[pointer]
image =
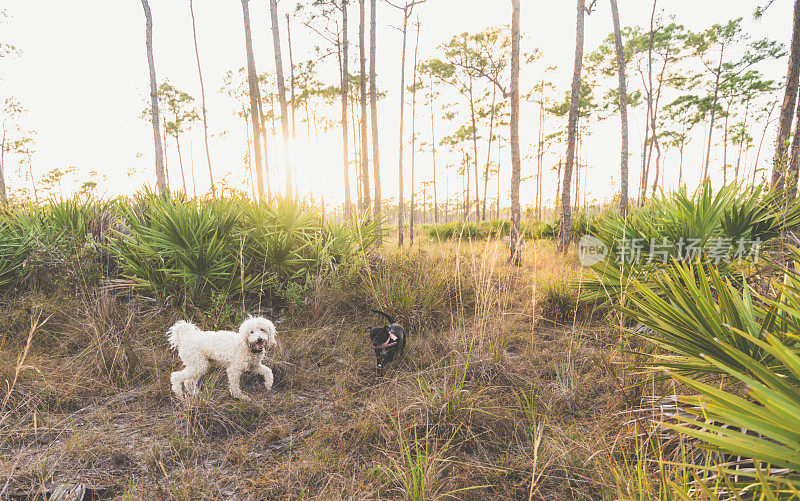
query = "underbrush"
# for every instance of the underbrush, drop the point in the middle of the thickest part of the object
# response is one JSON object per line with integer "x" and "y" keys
{"x": 582, "y": 223}
{"x": 486, "y": 401}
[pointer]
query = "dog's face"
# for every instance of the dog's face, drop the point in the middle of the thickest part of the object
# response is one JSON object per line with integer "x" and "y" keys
{"x": 387, "y": 341}
{"x": 258, "y": 333}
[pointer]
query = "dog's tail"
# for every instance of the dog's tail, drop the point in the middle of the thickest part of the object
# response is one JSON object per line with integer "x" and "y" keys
{"x": 176, "y": 333}
{"x": 388, "y": 317}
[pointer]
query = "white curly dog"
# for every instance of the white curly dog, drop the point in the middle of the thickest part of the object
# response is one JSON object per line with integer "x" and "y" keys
{"x": 235, "y": 351}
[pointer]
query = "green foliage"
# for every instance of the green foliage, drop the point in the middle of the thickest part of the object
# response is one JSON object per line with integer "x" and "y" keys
{"x": 582, "y": 223}
{"x": 710, "y": 326}
{"x": 415, "y": 286}
{"x": 731, "y": 222}
{"x": 556, "y": 300}
{"x": 14, "y": 248}
{"x": 200, "y": 249}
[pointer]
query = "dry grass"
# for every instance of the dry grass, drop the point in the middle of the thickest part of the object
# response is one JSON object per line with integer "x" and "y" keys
{"x": 505, "y": 391}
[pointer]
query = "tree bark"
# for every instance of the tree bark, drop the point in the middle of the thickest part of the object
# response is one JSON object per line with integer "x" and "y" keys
{"x": 789, "y": 103}
{"x": 365, "y": 209}
{"x": 344, "y": 76}
{"x": 401, "y": 200}
{"x": 488, "y": 154}
{"x": 276, "y": 44}
{"x": 203, "y": 101}
{"x": 565, "y": 231}
{"x": 266, "y": 148}
{"x": 623, "y": 109}
{"x": 413, "y": 139}
{"x": 515, "y": 251}
{"x": 761, "y": 142}
{"x": 291, "y": 70}
{"x": 161, "y": 182}
{"x": 255, "y": 96}
{"x": 790, "y": 180}
{"x": 474, "y": 152}
{"x": 433, "y": 154}
{"x": 373, "y": 101}
{"x": 713, "y": 113}
{"x": 180, "y": 162}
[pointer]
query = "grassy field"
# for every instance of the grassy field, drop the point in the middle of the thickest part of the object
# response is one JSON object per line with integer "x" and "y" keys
{"x": 517, "y": 382}
{"x": 506, "y": 389}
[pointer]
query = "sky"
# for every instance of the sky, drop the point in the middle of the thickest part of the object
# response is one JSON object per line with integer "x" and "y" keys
{"x": 82, "y": 76}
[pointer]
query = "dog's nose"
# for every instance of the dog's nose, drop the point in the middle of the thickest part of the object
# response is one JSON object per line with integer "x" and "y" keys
{"x": 259, "y": 340}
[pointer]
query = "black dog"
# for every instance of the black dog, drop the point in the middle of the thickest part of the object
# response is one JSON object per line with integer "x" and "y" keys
{"x": 388, "y": 341}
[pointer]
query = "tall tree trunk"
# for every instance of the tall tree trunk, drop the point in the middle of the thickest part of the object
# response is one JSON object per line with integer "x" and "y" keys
{"x": 161, "y": 181}
{"x": 725, "y": 147}
{"x": 781, "y": 159}
{"x": 356, "y": 151}
{"x": 401, "y": 201}
{"x": 647, "y": 149}
{"x": 373, "y": 101}
{"x": 255, "y": 96}
{"x": 344, "y": 76}
{"x": 515, "y": 251}
{"x": 741, "y": 143}
{"x": 623, "y": 110}
{"x": 497, "y": 209}
{"x": 565, "y": 232}
{"x": 713, "y": 113}
{"x": 248, "y": 153}
{"x": 266, "y": 149}
{"x": 488, "y": 153}
{"x": 540, "y": 153}
{"x": 191, "y": 159}
{"x": 33, "y": 180}
{"x": 433, "y": 155}
{"x": 203, "y": 101}
{"x": 790, "y": 181}
{"x": 474, "y": 150}
{"x": 291, "y": 70}
{"x": 362, "y": 52}
{"x": 180, "y": 162}
{"x": 556, "y": 201}
{"x": 761, "y": 142}
{"x": 276, "y": 44}
{"x": 413, "y": 139}
{"x": 166, "y": 148}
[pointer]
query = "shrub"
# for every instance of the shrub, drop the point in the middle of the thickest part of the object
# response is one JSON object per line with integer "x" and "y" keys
{"x": 198, "y": 250}
{"x": 748, "y": 345}
{"x": 582, "y": 223}
{"x": 556, "y": 300}
{"x": 730, "y": 222}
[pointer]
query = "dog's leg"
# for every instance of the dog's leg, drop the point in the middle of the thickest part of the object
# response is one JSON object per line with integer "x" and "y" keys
{"x": 177, "y": 378}
{"x": 234, "y": 374}
{"x": 188, "y": 376}
{"x": 267, "y": 373}
{"x": 191, "y": 387}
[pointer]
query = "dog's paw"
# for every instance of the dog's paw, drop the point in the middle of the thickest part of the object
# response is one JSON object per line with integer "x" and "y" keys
{"x": 268, "y": 381}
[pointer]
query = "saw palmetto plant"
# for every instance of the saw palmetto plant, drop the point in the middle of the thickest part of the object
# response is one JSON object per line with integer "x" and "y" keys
{"x": 731, "y": 228}
{"x": 197, "y": 249}
{"x": 737, "y": 355}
